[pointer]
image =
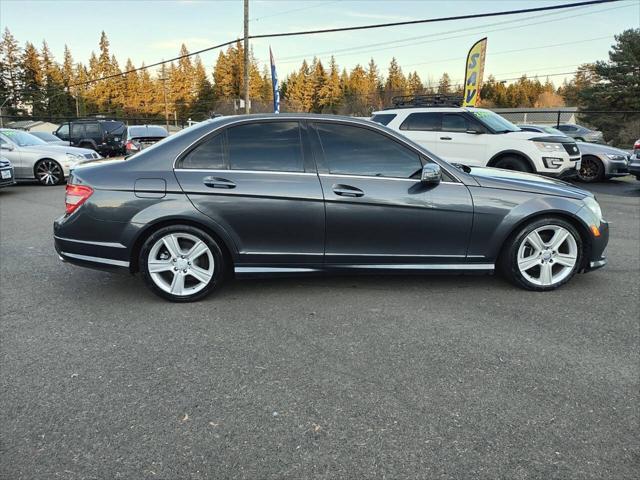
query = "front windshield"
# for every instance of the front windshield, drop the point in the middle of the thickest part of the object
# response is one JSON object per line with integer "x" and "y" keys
{"x": 45, "y": 136}
{"x": 553, "y": 131}
{"x": 22, "y": 139}
{"x": 494, "y": 121}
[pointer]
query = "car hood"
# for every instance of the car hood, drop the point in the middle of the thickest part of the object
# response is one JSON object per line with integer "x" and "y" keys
{"x": 525, "y": 182}
{"x": 586, "y": 147}
{"x": 59, "y": 149}
{"x": 527, "y": 135}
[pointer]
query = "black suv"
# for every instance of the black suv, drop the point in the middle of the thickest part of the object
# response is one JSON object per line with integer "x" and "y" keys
{"x": 104, "y": 136}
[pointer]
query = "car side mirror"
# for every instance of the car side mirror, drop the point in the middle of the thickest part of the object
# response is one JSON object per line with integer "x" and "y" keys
{"x": 6, "y": 146}
{"x": 431, "y": 174}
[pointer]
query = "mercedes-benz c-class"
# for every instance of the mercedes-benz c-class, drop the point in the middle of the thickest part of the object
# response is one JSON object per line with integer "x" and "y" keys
{"x": 297, "y": 194}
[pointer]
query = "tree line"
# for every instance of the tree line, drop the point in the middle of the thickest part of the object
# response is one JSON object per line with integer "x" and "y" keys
{"x": 33, "y": 82}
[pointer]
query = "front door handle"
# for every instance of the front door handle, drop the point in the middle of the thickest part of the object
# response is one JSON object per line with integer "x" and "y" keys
{"x": 347, "y": 191}
{"x": 445, "y": 138}
{"x": 217, "y": 182}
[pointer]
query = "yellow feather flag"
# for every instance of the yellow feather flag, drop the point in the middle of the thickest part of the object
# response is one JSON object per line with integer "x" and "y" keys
{"x": 474, "y": 72}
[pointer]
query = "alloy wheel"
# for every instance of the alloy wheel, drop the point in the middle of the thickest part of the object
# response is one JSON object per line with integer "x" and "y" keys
{"x": 181, "y": 264}
{"x": 547, "y": 255}
{"x": 589, "y": 170}
{"x": 49, "y": 172}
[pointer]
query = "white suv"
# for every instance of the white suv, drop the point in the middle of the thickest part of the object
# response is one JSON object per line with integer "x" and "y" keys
{"x": 479, "y": 137}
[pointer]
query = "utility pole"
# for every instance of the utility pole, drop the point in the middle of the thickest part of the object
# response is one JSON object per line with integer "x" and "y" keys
{"x": 246, "y": 56}
{"x": 166, "y": 107}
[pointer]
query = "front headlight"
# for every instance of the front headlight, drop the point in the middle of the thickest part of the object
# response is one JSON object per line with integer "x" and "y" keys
{"x": 616, "y": 156}
{"x": 549, "y": 147}
{"x": 72, "y": 157}
{"x": 594, "y": 206}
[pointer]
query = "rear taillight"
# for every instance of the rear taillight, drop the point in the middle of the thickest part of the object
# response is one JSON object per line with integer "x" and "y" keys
{"x": 636, "y": 146}
{"x": 131, "y": 146}
{"x": 75, "y": 196}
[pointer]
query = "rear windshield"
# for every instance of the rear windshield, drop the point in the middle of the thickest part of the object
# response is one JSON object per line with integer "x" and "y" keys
{"x": 113, "y": 127}
{"x": 147, "y": 131}
{"x": 383, "y": 118}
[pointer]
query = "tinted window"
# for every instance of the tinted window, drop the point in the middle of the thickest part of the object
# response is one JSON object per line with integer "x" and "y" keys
{"x": 358, "y": 151}
{"x": 147, "y": 131}
{"x": 383, "y": 118}
{"x": 426, "y": 121}
{"x": 452, "y": 122}
{"x": 567, "y": 128}
{"x": 207, "y": 155}
{"x": 92, "y": 130}
{"x": 63, "y": 131}
{"x": 77, "y": 130}
{"x": 271, "y": 146}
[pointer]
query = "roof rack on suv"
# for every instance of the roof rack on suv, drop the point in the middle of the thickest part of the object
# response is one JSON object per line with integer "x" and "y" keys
{"x": 433, "y": 100}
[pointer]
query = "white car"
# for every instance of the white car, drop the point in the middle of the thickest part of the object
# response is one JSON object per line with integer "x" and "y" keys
{"x": 479, "y": 137}
{"x": 33, "y": 158}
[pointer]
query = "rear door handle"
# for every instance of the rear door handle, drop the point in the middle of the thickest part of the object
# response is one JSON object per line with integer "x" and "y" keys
{"x": 216, "y": 182}
{"x": 445, "y": 138}
{"x": 347, "y": 191}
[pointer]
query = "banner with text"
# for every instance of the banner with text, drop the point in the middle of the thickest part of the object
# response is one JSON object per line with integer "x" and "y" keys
{"x": 474, "y": 72}
{"x": 274, "y": 82}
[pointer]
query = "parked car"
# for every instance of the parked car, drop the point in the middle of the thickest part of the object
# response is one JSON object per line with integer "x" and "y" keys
{"x": 139, "y": 137}
{"x": 580, "y": 133}
{"x": 634, "y": 163}
{"x": 50, "y": 138}
{"x": 104, "y": 136}
{"x": 7, "y": 176}
{"x": 599, "y": 162}
{"x": 479, "y": 137}
{"x": 33, "y": 158}
{"x": 295, "y": 193}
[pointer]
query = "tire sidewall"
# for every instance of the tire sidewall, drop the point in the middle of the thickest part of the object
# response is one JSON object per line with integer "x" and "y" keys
{"x": 509, "y": 260}
{"x": 599, "y": 175}
{"x": 218, "y": 257}
{"x": 513, "y": 163}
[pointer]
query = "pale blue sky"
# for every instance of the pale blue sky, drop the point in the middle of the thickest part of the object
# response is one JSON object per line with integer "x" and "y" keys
{"x": 151, "y": 30}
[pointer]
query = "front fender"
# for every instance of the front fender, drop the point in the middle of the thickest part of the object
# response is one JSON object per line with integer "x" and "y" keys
{"x": 498, "y": 213}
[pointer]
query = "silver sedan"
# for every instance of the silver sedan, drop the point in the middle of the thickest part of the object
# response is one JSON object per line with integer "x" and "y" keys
{"x": 33, "y": 158}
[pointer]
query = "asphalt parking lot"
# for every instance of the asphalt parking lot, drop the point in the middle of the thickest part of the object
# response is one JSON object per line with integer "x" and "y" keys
{"x": 447, "y": 377}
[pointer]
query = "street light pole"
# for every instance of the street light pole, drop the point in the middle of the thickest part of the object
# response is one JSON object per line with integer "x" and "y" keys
{"x": 246, "y": 56}
{"x": 166, "y": 107}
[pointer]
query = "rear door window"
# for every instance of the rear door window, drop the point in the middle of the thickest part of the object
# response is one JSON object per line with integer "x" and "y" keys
{"x": 209, "y": 155}
{"x": 77, "y": 130}
{"x": 350, "y": 150}
{"x": 270, "y": 146}
{"x": 92, "y": 130}
{"x": 423, "y": 121}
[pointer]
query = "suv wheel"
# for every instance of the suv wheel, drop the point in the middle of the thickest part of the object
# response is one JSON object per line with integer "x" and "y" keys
{"x": 543, "y": 255}
{"x": 181, "y": 263}
{"x": 591, "y": 170}
{"x": 87, "y": 145}
{"x": 49, "y": 172}
{"x": 513, "y": 163}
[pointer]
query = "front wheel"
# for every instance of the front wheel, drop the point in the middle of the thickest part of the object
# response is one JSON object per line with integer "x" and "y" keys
{"x": 591, "y": 170}
{"x": 542, "y": 255}
{"x": 49, "y": 172}
{"x": 181, "y": 263}
{"x": 513, "y": 163}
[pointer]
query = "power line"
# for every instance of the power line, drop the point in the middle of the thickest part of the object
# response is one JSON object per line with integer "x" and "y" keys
{"x": 291, "y": 11}
{"x": 356, "y": 28}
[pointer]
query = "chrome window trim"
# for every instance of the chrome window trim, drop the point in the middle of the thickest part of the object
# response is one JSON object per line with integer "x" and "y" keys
{"x": 366, "y": 177}
{"x": 312, "y": 118}
{"x": 224, "y": 170}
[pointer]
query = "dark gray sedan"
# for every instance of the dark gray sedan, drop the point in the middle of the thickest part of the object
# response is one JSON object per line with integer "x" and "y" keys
{"x": 297, "y": 194}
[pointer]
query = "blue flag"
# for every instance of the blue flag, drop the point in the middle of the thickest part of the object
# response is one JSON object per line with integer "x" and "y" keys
{"x": 274, "y": 82}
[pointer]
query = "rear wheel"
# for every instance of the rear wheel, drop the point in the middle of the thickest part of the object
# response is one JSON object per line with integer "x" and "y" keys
{"x": 513, "y": 163}
{"x": 181, "y": 263}
{"x": 591, "y": 170}
{"x": 543, "y": 255}
{"x": 49, "y": 172}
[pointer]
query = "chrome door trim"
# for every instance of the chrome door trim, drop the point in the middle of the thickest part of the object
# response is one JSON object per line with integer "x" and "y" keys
{"x": 88, "y": 258}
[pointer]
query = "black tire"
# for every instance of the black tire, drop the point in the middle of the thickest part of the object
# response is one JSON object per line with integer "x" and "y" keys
{"x": 219, "y": 268}
{"x": 511, "y": 162}
{"x": 87, "y": 145}
{"x": 591, "y": 170}
{"x": 48, "y": 172}
{"x": 508, "y": 261}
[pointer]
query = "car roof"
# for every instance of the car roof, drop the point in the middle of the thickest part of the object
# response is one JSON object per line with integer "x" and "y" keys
{"x": 444, "y": 109}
